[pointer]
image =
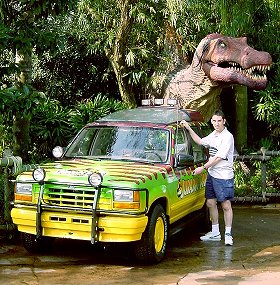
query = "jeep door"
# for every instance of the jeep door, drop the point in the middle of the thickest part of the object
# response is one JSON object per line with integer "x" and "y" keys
{"x": 190, "y": 188}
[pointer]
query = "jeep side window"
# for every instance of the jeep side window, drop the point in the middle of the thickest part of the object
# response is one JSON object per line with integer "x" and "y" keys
{"x": 182, "y": 143}
{"x": 199, "y": 152}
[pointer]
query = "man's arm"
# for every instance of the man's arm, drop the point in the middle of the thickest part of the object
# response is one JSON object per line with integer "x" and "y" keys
{"x": 194, "y": 136}
{"x": 211, "y": 162}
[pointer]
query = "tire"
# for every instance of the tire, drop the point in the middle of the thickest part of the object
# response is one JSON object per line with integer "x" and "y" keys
{"x": 34, "y": 245}
{"x": 152, "y": 246}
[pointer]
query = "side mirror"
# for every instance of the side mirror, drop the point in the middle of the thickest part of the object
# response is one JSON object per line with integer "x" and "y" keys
{"x": 58, "y": 152}
{"x": 184, "y": 160}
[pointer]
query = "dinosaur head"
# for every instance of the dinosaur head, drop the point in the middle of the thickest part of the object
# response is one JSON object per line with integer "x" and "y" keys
{"x": 230, "y": 60}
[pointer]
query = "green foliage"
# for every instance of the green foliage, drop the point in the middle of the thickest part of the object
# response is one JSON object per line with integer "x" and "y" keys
{"x": 73, "y": 74}
{"x": 267, "y": 108}
{"x": 274, "y": 173}
{"x": 249, "y": 184}
{"x": 52, "y": 124}
{"x": 21, "y": 22}
{"x": 19, "y": 100}
{"x": 14, "y": 102}
{"x": 6, "y": 136}
{"x": 91, "y": 110}
{"x": 133, "y": 40}
{"x": 30, "y": 11}
{"x": 158, "y": 36}
{"x": 49, "y": 127}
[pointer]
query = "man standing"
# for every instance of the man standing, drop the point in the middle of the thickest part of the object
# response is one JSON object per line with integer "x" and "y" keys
{"x": 220, "y": 178}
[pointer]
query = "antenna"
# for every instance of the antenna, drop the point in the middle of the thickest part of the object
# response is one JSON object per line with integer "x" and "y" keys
{"x": 177, "y": 127}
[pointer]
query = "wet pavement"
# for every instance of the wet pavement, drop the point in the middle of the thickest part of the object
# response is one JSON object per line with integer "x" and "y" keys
{"x": 253, "y": 259}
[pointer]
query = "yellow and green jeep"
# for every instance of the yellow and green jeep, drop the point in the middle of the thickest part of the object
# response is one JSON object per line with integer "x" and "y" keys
{"x": 124, "y": 178}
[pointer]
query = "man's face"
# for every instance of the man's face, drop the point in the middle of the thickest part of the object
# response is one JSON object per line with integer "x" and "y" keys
{"x": 218, "y": 123}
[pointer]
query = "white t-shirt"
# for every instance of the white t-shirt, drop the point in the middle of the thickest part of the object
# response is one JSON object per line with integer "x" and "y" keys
{"x": 220, "y": 145}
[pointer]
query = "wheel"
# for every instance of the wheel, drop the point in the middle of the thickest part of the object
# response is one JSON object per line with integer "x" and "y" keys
{"x": 152, "y": 246}
{"x": 34, "y": 245}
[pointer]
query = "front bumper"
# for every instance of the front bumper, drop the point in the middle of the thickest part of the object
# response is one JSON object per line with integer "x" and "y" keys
{"x": 110, "y": 228}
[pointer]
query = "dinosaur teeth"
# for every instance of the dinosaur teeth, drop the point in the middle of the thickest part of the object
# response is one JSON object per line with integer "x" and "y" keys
{"x": 256, "y": 72}
{"x": 256, "y": 77}
{"x": 233, "y": 63}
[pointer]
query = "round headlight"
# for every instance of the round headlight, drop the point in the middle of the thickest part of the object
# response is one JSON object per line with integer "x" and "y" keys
{"x": 39, "y": 174}
{"x": 57, "y": 152}
{"x": 95, "y": 179}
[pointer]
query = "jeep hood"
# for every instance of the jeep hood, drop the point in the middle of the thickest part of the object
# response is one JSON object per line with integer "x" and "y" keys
{"x": 114, "y": 173}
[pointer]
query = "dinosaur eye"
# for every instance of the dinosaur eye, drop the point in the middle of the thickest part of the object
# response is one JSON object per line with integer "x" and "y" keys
{"x": 222, "y": 44}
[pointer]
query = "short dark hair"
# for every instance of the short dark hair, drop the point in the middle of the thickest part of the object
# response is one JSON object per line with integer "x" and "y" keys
{"x": 219, "y": 113}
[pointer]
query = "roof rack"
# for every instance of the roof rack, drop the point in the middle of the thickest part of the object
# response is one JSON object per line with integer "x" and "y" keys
{"x": 159, "y": 102}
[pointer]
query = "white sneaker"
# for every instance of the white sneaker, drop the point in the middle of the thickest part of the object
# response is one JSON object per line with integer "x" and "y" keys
{"x": 211, "y": 237}
{"x": 228, "y": 239}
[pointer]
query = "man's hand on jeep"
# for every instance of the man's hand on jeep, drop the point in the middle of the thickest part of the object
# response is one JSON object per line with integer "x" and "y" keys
{"x": 198, "y": 170}
{"x": 185, "y": 124}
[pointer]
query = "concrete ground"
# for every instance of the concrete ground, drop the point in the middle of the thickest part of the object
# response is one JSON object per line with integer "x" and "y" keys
{"x": 253, "y": 259}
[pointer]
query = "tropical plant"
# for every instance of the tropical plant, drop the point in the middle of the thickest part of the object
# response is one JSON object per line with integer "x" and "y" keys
{"x": 21, "y": 33}
{"x": 131, "y": 34}
{"x": 23, "y": 100}
{"x": 92, "y": 109}
{"x": 49, "y": 127}
{"x": 137, "y": 37}
{"x": 17, "y": 106}
{"x": 267, "y": 108}
{"x": 6, "y": 137}
{"x": 250, "y": 184}
{"x": 53, "y": 124}
{"x": 73, "y": 74}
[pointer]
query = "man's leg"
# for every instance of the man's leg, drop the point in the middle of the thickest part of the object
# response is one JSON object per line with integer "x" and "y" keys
{"x": 228, "y": 217}
{"x": 214, "y": 216}
{"x": 228, "y": 214}
{"x": 211, "y": 202}
{"x": 213, "y": 211}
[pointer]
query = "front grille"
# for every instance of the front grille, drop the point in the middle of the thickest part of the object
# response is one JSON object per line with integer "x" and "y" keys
{"x": 73, "y": 196}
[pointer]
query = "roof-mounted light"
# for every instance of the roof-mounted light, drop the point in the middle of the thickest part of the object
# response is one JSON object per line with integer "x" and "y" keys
{"x": 146, "y": 102}
{"x": 159, "y": 102}
{"x": 171, "y": 102}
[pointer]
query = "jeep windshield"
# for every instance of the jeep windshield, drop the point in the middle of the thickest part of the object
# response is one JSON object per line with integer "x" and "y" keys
{"x": 121, "y": 143}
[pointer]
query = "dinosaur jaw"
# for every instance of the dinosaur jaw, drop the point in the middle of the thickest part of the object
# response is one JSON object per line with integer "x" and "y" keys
{"x": 232, "y": 73}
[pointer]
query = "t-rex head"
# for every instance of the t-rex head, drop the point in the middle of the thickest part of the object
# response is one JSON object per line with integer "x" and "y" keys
{"x": 230, "y": 60}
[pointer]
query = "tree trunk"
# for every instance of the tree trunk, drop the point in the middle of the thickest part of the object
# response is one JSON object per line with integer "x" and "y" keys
{"x": 24, "y": 61}
{"x": 241, "y": 117}
{"x": 125, "y": 92}
{"x": 117, "y": 55}
{"x": 21, "y": 122}
{"x": 21, "y": 146}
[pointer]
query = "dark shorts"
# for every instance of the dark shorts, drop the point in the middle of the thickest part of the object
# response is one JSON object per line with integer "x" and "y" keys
{"x": 220, "y": 189}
